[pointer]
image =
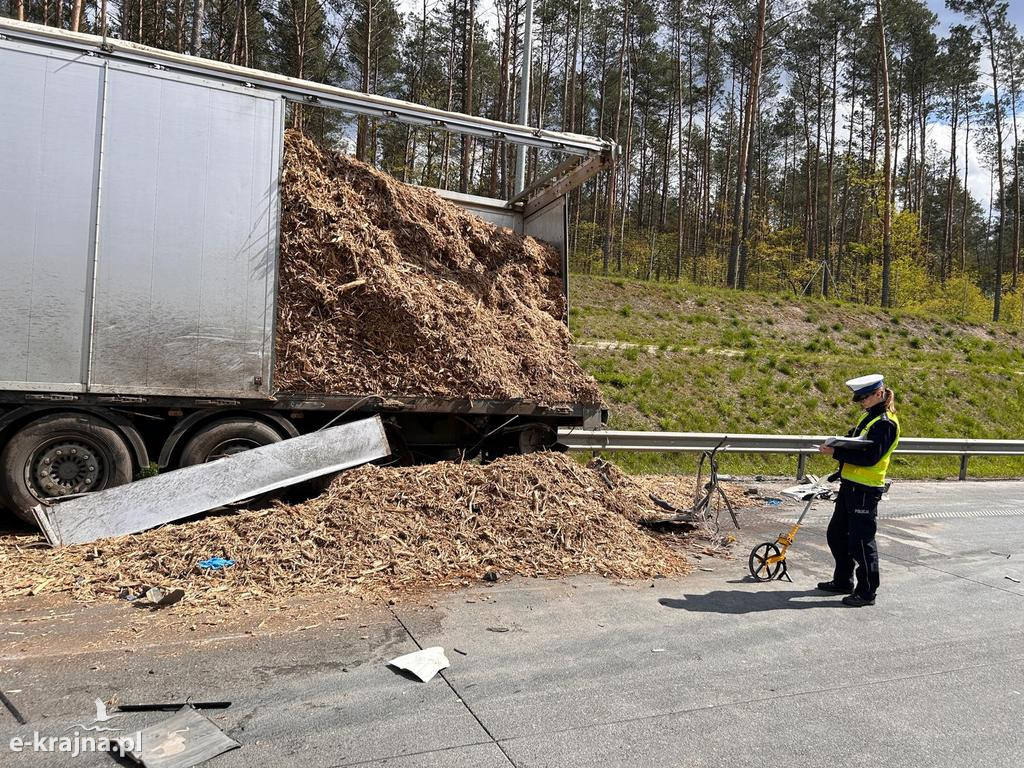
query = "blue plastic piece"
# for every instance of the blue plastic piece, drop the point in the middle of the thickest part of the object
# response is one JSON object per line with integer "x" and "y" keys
{"x": 216, "y": 563}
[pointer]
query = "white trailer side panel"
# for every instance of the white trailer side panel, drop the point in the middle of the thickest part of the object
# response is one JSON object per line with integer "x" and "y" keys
{"x": 188, "y": 241}
{"x": 181, "y": 172}
{"x": 49, "y": 121}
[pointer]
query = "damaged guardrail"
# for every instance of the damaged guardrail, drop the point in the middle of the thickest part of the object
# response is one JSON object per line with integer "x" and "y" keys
{"x": 800, "y": 445}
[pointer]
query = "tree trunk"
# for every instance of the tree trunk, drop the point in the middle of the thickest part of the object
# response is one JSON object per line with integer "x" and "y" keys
{"x": 362, "y": 123}
{"x": 830, "y": 172}
{"x": 745, "y": 142}
{"x": 609, "y": 230}
{"x": 947, "y": 235}
{"x": 994, "y": 54}
{"x": 1016, "y": 176}
{"x": 467, "y": 93}
{"x": 845, "y": 205}
{"x": 967, "y": 170}
{"x": 198, "y": 11}
{"x": 743, "y": 260}
{"x": 887, "y": 202}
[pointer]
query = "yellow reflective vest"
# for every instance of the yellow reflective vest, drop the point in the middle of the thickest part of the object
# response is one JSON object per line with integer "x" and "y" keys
{"x": 873, "y": 476}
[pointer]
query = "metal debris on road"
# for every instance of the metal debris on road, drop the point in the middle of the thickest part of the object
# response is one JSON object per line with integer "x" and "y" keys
{"x": 157, "y": 596}
{"x": 497, "y": 629}
{"x": 173, "y": 707}
{"x": 423, "y": 664}
{"x": 667, "y": 506}
{"x": 1011, "y": 578}
{"x": 183, "y": 740}
{"x": 164, "y": 498}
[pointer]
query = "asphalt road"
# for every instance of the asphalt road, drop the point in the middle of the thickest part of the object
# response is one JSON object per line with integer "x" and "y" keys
{"x": 707, "y": 670}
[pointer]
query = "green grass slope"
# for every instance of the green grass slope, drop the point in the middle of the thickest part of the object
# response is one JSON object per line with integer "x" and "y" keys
{"x": 680, "y": 358}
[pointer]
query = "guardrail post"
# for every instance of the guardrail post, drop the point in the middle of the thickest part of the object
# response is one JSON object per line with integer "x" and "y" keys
{"x": 963, "y": 466}
{"x": 801, "y": 466}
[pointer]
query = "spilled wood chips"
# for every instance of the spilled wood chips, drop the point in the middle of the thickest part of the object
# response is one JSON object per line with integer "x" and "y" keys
{"x": 377, "y": 532}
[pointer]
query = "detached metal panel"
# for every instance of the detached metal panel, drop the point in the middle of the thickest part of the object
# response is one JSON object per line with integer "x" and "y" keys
{"x": 49, "y": 124}
{"x": 184, "y": 492}
{"x": 188, "y": 235}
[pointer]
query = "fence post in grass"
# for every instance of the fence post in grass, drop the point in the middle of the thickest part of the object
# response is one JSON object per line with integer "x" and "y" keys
{"x": 963, "y": 466}
{"x": 801, "y": 466}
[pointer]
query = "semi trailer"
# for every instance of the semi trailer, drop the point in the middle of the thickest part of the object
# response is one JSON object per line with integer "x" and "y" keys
{"x": 139, "y": 214}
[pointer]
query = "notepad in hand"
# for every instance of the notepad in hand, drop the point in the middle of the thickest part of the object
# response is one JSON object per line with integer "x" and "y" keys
{"x": 847, "y": 442}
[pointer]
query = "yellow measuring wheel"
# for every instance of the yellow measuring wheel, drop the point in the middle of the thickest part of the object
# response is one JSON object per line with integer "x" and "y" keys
{"x": 768, "y": 559}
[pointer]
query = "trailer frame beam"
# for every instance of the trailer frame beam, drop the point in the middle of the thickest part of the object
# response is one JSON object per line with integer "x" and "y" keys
{"x": 309, "y": 92}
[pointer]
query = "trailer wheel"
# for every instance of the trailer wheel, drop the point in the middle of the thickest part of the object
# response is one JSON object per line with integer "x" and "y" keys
{"x": 59, "y": 455}
{"x": 226, "y": 437}
{"x": 536, "y": 437}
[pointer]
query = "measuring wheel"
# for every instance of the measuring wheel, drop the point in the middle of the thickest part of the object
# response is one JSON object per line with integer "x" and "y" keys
{"x": 763, "y": 563}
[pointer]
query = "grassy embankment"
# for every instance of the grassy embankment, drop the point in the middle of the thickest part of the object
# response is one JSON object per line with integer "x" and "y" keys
{"x": 712, "y": 360}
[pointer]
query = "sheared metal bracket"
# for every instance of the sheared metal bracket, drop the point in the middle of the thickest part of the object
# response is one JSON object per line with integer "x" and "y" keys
{"x": 188, "y": 491}
{"x": 565, "y": 177}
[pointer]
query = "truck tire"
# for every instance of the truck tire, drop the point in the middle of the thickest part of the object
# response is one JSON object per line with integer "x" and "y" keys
{"x": 58, "y": 455}
{"x": 226, "y": 437}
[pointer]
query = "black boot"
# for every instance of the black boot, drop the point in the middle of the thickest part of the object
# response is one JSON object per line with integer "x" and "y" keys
{"x": 856, "y": 601}
{"x": 839, "y": 589}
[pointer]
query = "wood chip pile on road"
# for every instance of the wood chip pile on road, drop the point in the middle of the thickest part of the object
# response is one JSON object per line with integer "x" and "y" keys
{"x": 378, "y": 532}
{"x": 388, "y": 289}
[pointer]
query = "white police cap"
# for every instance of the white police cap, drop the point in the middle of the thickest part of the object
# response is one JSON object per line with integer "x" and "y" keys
{"x": 862, "y": 386}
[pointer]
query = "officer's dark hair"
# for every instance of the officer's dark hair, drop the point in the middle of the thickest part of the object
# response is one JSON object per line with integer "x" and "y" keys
{"x": 889, "y": 400}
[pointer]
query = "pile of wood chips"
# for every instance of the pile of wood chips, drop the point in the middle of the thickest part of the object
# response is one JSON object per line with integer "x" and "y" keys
{"x": 379, "y": 532}
{"x": 387, "y": 289}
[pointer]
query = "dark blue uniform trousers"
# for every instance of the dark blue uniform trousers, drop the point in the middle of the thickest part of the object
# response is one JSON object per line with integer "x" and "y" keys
{"x": 851, "y": 537}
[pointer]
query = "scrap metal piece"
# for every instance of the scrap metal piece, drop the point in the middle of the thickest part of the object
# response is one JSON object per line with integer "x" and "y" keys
{"x": 183, "y": 740}
{"x": 164, "y": 498}
{"x": 424, "y": 664}
{"x": 173, "y": 706}
{"x": 158, "y": 597}
{"x": 9, "y": 705}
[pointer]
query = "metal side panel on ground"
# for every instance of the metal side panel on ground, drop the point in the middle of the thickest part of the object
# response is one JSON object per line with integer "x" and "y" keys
{"x": 165, "y": 498}
{"x": 140, "y": 212}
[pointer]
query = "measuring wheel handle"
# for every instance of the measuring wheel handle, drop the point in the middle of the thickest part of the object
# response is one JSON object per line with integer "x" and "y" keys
{"x": 766, "y": 561}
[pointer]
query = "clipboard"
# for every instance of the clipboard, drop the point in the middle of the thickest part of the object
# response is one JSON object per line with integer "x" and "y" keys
{"x": 847, "y": 442}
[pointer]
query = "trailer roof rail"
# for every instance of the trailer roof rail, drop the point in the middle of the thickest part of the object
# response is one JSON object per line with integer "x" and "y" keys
{"x": 307, "y": 91}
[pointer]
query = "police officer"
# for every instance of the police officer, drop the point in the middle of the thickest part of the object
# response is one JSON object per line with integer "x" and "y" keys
{"x": 851, "y": 532}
